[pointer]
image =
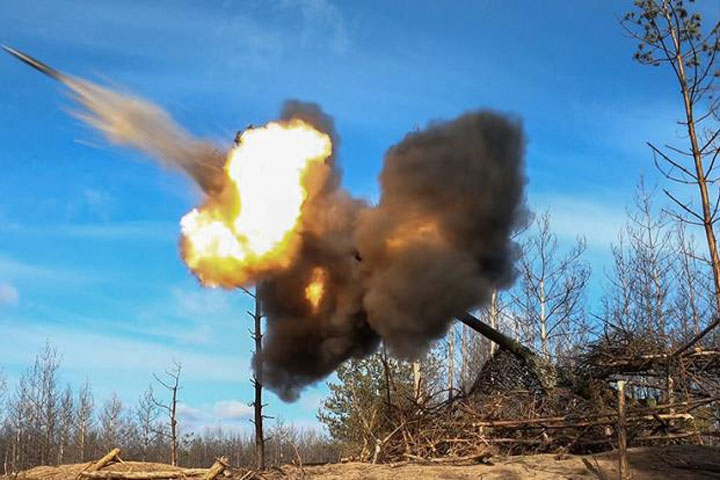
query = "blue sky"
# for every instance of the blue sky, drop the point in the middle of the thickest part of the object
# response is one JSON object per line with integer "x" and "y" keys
{"x": 88, "y": 232}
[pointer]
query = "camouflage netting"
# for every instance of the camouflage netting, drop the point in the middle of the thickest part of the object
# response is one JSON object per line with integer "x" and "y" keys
{"x": 505, "y": 372}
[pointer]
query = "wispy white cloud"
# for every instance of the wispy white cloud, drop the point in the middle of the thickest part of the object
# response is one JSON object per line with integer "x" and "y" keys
{"x": 231, "y": 414}
{"x": 99, "y": 202}
{"x": 322, "y": 22}
{"x": 234, "y": 415}
{"x": 9, "y": 295}
{"x": 96, "y": 353}
{"x": 190, "y": 415}
{"x": 11, "y": 268}
{"x": 233, "y": 410}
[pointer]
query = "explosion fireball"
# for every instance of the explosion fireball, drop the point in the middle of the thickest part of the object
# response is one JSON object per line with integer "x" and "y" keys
{"x": 251, "y": 226}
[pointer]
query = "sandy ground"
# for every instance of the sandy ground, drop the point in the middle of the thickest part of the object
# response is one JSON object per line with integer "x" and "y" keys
{"x": 682, "y": 462}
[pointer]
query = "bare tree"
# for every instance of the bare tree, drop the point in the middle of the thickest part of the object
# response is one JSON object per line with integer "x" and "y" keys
{"x": 257, "y": 381}
{"x": 84, "y": 420}
{"x": 3, "y": 388}
{"x": 652, "y": 261}
{"x": 111, "y": 422}
{"x": 658, "y": 285}
{"x": 66, "y": 421}
{"x": 146, "y": 416}
{"x": 551, "y": 290}
{"x": 172, "y": 385}
{"x": 41, "y": 395}
{"x": 694, "y": 299}
{"x": 20, "y": 414}
{"x": 670, "y": 35}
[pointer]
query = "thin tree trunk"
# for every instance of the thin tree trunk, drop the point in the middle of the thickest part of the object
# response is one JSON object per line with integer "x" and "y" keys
{"x": 451, "y": 355}
{"x": 493, "y": 317}
{"x": 464, "y": 357}
{"x": 417, "y": 381}
{"x": 257, "y": 381}
{"x": 82, "y": 435}
{"x": 388, "y": 379}
{"x": 623, "y": 467}
{"x": 543, "y": 320}
{"x": 173, "y": 429}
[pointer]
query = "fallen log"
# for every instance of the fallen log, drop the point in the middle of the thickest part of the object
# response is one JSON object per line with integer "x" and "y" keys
{"x": 113, "y": 454}
{"x": 109, "y": 457}
{"x": 217, "y": 468}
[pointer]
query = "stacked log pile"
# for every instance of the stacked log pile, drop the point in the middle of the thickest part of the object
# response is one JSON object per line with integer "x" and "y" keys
{"x": 112, "y": 467}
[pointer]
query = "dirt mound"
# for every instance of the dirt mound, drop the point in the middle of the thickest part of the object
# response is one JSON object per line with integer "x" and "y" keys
{"x": 678, "y": 462}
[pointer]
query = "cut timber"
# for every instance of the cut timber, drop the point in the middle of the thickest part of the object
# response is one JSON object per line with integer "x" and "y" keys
{"x": 542, "y": 369}
{"x": 113, "y": 454}
{"x": 217, "y": 468}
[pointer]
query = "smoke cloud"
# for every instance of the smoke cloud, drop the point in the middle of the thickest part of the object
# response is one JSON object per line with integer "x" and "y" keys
{"x": 436, "y": 245}
{"x": 439, "y": 240}
{"x": 136, "y": 123}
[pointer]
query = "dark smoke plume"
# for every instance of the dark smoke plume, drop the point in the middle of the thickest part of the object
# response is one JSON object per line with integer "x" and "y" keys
{"x": 440, "y": 239}
{"x": 435, "y": 246}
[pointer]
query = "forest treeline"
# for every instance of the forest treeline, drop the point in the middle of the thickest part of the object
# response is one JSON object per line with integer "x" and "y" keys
{"x": 43, "y": 422}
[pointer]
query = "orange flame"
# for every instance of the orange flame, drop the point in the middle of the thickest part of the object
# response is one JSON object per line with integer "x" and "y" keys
{"x": 421, "y": 231}
{"x": 251, "y": 226}
{"x": 316, "y": 288}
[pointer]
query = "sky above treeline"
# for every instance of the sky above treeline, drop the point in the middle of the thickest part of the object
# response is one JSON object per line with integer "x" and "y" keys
{"x": 89, "y": 232}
